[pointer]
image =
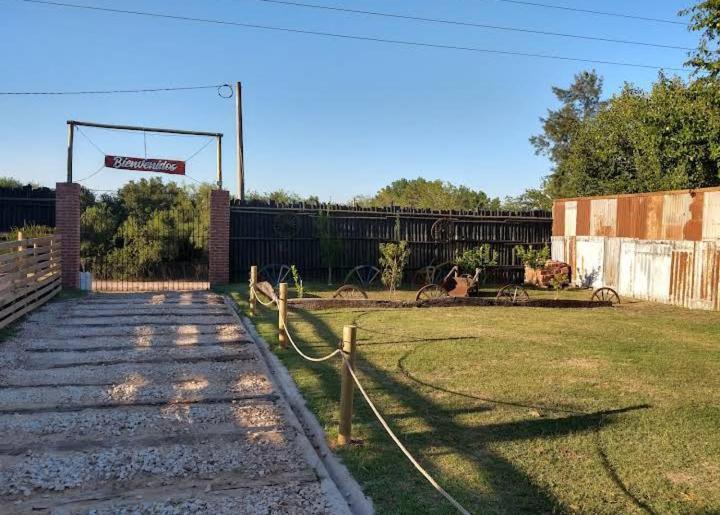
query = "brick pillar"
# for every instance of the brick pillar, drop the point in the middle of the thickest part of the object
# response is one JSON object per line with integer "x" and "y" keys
{"x": 219, "y": 238}
{"x": 67, "y": 225}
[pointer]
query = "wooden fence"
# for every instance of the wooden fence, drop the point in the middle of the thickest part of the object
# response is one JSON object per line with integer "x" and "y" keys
{"x": 262, "y": 233}
{"x": 21, "y": 206}
{"x": 29, "y": 275}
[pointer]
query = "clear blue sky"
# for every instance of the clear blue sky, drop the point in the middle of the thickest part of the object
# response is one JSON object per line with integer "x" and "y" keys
{"x": 329, "y": 117}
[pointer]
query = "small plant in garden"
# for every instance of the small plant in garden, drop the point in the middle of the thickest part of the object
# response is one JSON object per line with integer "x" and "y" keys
{"x": 480, "y": 257}
{"x": 299, "y": 289}
{"x": 557, "y": 282}
{"x": 532, "y": 258}
{"x": 393, "y": 260}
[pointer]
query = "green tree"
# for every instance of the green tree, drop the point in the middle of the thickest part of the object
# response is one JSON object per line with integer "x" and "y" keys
{"x": 282, "y": 196}
{"x": 9, "y": 182}
{"x": 668, "y": 138}
{"x": 424, "y": 194}
{"x": 580, "y": 102}
{"x": 531, "y": 198}
{"x": 705, "y": 18}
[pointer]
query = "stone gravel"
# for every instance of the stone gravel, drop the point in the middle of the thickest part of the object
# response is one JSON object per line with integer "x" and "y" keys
{"x": 163, "y": 372}
{"x": 137, "y": 420}
{"x": 147, "y": 412}
{"x": 292, "y": 499}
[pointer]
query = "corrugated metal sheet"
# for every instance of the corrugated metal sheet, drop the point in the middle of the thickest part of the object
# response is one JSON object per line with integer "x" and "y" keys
{"x": 558, "y": 248}
{"x": 590, "y": 261}
{"x": 603, "y": 217}
{"x": 582, "y": 226}
{"x": 570, "y": 218}
{"x": 683, "y": 273}
{"x": 676, "y": 213}
{"x": 711, "y": 215}
{"x": 692, "y": 215}
{"x": 611, "y": 265}
{"x": 558, "y": 225}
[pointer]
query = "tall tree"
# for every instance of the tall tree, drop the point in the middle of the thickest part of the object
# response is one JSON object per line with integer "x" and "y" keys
{"x": 580, "y": 102}
{"x": 705, "y": 18}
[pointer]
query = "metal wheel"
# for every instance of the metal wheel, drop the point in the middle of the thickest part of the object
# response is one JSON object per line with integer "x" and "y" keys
{"x": 430, "y": 274}
{"x": 274, "y": 274}
{"x": 512, "y": 294}
{"x": 364, "y": 274}
{"x": 349, "y": 291}
{"x": 606, "y": 295}
{"x": 431, "y": 291}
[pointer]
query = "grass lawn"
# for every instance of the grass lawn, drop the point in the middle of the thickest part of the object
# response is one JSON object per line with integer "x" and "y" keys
{"x": 609, "y": 410}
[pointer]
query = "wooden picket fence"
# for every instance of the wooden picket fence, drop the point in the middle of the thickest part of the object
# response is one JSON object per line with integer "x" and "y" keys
{"x": 29, "y": 275}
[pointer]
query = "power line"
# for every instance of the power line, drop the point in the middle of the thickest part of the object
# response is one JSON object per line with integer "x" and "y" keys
{"x": 590, "y": 11}
{"x": 114, "y": 91}
{"x": 354, "y": 37}
{"x": 471, "y": 24}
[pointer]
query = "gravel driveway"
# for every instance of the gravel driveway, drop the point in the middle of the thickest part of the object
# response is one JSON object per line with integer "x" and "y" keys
{"x": 148, "y": 403}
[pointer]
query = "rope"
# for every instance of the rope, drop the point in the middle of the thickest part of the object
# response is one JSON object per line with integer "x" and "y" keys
{"x": 380, "y": 418}
{"x": 79, "y": 129}
{"x": 316, "y": 360}
{"x": 409, "y": 456}
{"x": 266, "y": 304}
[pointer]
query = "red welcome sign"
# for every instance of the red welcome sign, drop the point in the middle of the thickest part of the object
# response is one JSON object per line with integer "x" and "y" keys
{"x": 140, "y": 164}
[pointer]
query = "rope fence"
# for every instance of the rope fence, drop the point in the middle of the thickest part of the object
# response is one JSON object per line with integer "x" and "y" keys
{"x": 349, "y": 378}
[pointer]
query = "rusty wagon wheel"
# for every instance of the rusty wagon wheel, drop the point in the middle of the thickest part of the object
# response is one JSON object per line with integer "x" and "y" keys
{"x": 349, "y": 291}
{"x": 512, "y": 294}
{"x": 430, "y": 292}
{"x": 606, "y": 294}
{"x": 430, "y": 274}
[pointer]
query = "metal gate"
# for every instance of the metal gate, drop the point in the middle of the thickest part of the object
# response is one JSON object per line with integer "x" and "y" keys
{"x": 155, "y": 251}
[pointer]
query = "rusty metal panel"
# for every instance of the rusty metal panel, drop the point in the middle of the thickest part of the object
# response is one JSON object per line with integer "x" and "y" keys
{"x": 611, "y": 263}
{"x": 558, "y": 225}
{"x": 676, "y": 213}
{"x": 654, "y": 217}
{"x": 590, "y": 260}
{"x": 570, "y": 218}
{"x": 682, "y": 273}
{"x": 582, "y": 226}
{"x": 557, "y": 248}
{"x": 632, "y": 217}
{"x": 603, "y": 217}
{"x": 693, "y": 227}
{"x": 711, "y": 215}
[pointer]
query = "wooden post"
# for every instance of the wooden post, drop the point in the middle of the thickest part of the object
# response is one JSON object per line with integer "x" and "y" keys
{"x": 347, "y": 385}
{"x": 282, "y": 314}
{"x": 240, "y": 163}
{"x": 253, "y": 282}
{"x": 219, "y": 162}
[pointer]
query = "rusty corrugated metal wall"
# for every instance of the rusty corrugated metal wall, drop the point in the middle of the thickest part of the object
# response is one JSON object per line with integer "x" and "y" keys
{"x": 662, "y": 246}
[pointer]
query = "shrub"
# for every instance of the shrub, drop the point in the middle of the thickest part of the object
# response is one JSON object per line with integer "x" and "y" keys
{"x": 480, "y": 257}
{"x": 31, "y": 231}
{"x": 393, "y": 260}
{"x": 532, "y": 258}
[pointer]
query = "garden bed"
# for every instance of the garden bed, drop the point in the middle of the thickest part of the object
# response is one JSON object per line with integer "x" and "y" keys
{"x": 314, "y": 304}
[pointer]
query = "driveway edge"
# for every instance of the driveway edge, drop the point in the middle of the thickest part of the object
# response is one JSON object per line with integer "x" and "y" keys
{"x": 341, "y": 488}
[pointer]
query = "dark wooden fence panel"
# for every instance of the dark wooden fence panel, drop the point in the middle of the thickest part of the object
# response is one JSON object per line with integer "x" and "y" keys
{"x": 262, "y": 234}
{"x": 21, "y": 206}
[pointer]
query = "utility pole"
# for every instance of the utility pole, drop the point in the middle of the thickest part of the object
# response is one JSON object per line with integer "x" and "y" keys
{"x": 240, "y": 163}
